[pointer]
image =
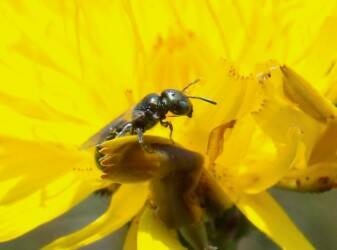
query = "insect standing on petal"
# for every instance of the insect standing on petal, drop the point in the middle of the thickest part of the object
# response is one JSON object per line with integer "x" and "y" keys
{"x": 152, "y": 109}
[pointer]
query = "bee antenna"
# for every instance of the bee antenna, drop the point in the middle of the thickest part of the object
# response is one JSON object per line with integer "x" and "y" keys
{"x": 203, "y": 99}
{"x": 190, "y": 84}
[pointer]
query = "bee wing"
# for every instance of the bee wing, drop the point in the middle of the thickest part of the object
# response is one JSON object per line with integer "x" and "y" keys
{"x": 104, "y": 132}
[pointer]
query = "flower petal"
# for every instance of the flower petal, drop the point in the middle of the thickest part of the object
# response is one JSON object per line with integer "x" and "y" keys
{"x": 53, "y": 59}
{"x": 309, "y": 100}
{"x": 325, "y": 147}
{"x": 317, "y": 178}
{"x": 263, "y": 211}
{"x": 44, "y": 204}
{"x": 20, "y": 126}
{"x": 34, "y": 165}
{"x": 263, "y": 173}
{"x": 130, "y": 242}
{"x": 40, "y": 181}
{"x": 242, "y": 96}
{"x": 260, "y": 162}
{"x": 153, "y": 234}
{"x": 125, "y": 203}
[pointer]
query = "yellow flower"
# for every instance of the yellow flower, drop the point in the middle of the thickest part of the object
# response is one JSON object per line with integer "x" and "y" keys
{"x": 69, "y": 67}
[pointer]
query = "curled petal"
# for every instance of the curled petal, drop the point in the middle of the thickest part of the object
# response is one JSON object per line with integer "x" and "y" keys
{"x": 216, "y": 140}
{"x": 260, "y": 162}
{"x": 124, "y": 160}
{"x": 309, "y": 100}
{"x": 262, "y": 174}
{"x": 293, "y": 135}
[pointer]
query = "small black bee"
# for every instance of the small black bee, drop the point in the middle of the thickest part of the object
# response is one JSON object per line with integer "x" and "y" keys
{"x": 146, "y": 114}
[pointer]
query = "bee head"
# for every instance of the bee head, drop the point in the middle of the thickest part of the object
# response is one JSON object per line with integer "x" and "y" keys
{"x": 177, "y": 102}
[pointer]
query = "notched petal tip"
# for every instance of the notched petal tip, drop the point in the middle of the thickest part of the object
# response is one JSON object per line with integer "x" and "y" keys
{"x": 125, "y": 160}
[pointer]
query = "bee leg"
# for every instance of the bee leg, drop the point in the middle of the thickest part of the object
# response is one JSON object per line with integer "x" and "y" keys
{"x": 127, "y": 128}
{"x": 146, "y": 147}
{"x": 112, "y": 135}
{"x": 140, "y": 136}
{"x": 168, "y": 124}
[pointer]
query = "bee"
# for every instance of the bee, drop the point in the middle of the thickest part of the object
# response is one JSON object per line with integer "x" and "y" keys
{"x": 151, "y": 110}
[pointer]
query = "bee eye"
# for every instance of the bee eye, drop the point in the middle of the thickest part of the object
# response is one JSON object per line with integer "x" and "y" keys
{"x": 183, "y": 105}
{"x": 182, "y": 108}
